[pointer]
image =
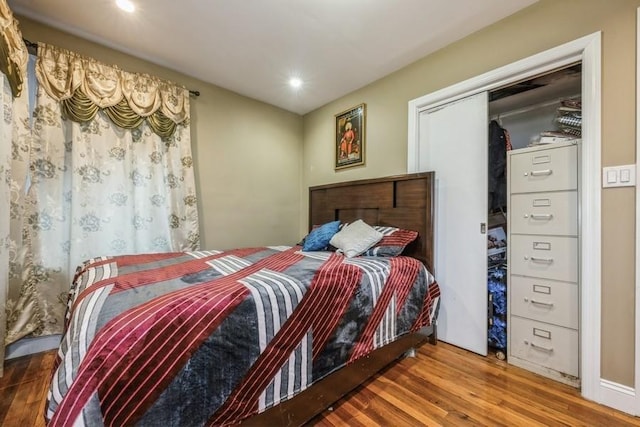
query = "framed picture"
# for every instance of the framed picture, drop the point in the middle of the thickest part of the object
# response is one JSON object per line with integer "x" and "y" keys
{"x": 350, "y": 137}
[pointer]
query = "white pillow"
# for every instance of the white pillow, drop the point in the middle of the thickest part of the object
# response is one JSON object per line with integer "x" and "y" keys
{"x": 355, "y": 238}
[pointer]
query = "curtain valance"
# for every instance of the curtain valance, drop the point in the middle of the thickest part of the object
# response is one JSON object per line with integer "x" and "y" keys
{"x": 13, "y": 52}
{"x": 85, "y": 86}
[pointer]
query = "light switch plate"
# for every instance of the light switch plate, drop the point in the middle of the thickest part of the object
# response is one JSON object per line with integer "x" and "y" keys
{"x": 619, "y": 176}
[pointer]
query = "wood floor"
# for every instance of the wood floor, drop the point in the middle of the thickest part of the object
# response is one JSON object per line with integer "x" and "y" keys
{"x": 442, "y": 385}
{"x": 23, "y": 389}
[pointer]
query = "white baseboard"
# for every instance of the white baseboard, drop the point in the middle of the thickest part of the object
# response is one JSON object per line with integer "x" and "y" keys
{"x": 27, "y": 346}
{"x": 618, "y": 396}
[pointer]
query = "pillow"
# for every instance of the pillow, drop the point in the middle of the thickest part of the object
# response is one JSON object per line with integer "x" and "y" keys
{"x": 393, "y": 242}
{"x": 355, "y": 238}
{"x": 318, "y": 238}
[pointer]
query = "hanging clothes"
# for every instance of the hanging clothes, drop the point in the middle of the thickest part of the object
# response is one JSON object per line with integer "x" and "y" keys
{"x": 499, "y": 142}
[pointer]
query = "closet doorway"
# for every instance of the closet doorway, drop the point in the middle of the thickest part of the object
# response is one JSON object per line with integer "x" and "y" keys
{"x": 423, "y": 114}
{"x": 470, "y": 165}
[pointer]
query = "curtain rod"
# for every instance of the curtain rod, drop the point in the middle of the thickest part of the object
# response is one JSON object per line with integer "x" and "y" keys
{"x": 33, "y": 47}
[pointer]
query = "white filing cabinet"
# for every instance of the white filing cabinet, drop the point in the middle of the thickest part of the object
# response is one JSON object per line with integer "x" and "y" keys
{"x": 544, "y": 247}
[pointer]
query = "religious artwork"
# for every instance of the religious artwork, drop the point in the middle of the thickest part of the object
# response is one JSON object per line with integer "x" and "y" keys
{"x": 349, "y": 138}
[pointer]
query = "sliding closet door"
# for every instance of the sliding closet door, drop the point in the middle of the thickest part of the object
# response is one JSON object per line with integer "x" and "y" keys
{"x": 453, "y": 143}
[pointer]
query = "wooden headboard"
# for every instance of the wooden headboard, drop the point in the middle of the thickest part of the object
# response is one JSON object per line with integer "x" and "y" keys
{"x": 404, "y": 201}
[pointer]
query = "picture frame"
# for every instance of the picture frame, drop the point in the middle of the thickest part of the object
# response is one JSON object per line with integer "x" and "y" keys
{"x": 350, "y": 137}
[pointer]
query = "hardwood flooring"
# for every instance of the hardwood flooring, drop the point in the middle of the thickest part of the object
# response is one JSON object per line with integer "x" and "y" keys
{"x": 442, "y": 385}
{"x": 447, "y": 386}
{"x": 23, "y": 390}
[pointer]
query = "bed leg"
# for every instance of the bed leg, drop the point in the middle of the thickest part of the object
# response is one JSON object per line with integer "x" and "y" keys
{"x": 410, "y": 353}
{"x": 433, "y": 338}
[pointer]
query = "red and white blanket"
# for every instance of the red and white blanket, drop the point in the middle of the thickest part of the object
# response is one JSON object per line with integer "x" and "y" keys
{"x": 212, "y": 337}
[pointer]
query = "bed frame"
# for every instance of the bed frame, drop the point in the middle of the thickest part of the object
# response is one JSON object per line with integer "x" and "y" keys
{"x": 404, "y": 201}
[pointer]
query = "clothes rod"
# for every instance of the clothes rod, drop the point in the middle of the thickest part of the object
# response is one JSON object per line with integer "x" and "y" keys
{"x": 533, "y": 107}
{"x": 32, "y": 47}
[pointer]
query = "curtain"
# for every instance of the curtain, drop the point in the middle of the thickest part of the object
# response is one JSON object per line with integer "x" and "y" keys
{"x": 13, "y": 52}
{"x": 13, "y": 61}
{"x": 85, "y": 86}
{"x": 23, "y": 315}
{"x": 5, "y": 200}
{"x": 89, "y": 188}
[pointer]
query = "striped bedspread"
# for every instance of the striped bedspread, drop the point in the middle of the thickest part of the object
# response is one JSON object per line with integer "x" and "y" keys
{"x": 213, "y": 337}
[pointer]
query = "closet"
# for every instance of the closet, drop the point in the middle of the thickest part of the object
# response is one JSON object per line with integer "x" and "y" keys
{"x": 533, "y": 239}
{"x": 472, "y": 260}
{"x": 447, "y": 134}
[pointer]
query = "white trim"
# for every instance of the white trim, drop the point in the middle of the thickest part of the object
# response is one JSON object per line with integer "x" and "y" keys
{"x": 537, "y": 64}
{"x": 591, "y": 222}
{"x": 620, "y": 397}
{"x": 637, "y": 326}
{"x": 588, "y": 50}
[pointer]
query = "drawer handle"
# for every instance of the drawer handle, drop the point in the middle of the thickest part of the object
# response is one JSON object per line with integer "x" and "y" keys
{"x": 539, "y": 216}
{"x": 533, "y": 301}
{"x": 540, "y": 347}
{"x": 536, "y": 259}
{"x": 541, "y": 172}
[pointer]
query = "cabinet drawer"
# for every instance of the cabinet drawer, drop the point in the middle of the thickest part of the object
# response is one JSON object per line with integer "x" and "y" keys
{"x": 544, "y": 170}
{"x": 545, "y": 213}
{"x": 549, "y": 257}
{"x": 544, "y": 300}
{"x": 547, "y": 345}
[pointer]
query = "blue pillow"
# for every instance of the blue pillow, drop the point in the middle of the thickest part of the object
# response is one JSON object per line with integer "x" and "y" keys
{"x": 319, "y": 237}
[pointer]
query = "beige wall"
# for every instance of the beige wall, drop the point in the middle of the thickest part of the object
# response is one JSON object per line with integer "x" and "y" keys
{"x": 544, "y": 25}
{"x": 247, "y": 154}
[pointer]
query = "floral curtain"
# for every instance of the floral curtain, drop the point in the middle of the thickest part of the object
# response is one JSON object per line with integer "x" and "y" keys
{"x": 22, "y": 309}
{"x": 5, "y": 199}
{"x": 13, "y": 52}
{"x": 91, "y": 188}
{"x": 85, "y": 86}
{"x": 13, "y": 66}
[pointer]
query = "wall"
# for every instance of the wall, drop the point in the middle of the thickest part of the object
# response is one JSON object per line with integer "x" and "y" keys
{"x": 247, "y": 153}
{"x": 542, "y": 26}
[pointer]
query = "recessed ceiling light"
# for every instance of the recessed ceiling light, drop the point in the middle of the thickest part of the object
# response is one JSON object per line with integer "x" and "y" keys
{"x": 126, "y": 5}
{"x": 295, "y": 82}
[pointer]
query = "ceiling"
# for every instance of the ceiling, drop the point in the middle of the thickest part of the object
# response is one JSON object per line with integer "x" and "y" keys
{"x": 253, "y": 47}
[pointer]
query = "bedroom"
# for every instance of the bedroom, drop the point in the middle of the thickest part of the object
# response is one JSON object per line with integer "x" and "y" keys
{"x": 297, "y": 152}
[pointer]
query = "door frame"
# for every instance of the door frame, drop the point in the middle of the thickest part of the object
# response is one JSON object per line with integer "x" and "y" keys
{"x": 587, "y": 50}
{"x": 637, "y": 328}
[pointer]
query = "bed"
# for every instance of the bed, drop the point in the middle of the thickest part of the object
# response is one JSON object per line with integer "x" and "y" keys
{"x": 262, "y": 336}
